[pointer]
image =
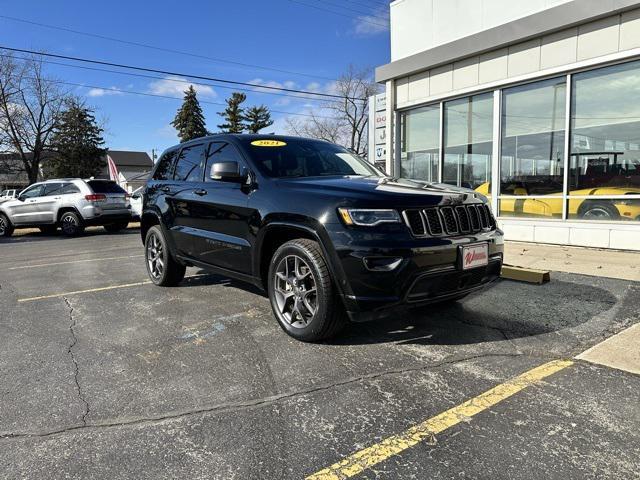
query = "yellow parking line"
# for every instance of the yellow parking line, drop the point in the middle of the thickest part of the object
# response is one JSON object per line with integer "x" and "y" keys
{"x": 21, "y": 267}
{"x": 370, "y": 456}
{"x": 90, "y": 290}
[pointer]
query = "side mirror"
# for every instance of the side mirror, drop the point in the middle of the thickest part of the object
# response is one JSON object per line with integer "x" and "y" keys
{"x": 226, "y": 172}
{"x": 135, "y": 196}
{"x": 20, "y": 197}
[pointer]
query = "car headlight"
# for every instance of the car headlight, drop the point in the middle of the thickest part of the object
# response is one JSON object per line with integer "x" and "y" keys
{"x": 366, "y": 217}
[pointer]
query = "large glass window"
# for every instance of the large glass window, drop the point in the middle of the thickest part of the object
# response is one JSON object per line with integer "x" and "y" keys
{"x": 605, "y": 143}
{"x": 419, "y": 159}
{"x": 468, "y": 145}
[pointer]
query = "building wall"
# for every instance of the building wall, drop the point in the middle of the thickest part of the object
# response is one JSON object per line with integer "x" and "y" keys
{"x": 609, "y": 40}
{"x": 418, "y": 25}
{"x": 546, "y": 55}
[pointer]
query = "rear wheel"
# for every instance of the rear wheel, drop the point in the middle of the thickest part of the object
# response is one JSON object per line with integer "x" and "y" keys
{"x": 116, "y": 227}
{"x": 6, "y": 229}
{"x": 162, "y": 268}
{"x": 71, "y": 224}
{"x": 599, "y": 211}
{"x": 302, "y": 294}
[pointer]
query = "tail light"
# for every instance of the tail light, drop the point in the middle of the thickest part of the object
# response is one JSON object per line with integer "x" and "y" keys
{"x": 96, "y": 197}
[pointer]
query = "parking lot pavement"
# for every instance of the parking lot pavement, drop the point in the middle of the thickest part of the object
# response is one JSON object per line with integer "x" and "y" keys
{"x": 105, "y": 375}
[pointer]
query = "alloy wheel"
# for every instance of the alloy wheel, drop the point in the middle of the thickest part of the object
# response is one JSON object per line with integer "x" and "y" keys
{"x": 295, "y": 291}
{"x": 597, "y": 213}
{"x": 155, "y": 256}
{"x": 69, "y": 224}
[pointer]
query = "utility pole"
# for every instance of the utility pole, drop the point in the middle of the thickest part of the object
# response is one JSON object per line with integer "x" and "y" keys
{"x": 153, "y": 156}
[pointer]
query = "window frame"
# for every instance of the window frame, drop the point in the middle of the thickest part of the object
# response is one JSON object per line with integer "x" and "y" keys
{"x": 204, "y": 154}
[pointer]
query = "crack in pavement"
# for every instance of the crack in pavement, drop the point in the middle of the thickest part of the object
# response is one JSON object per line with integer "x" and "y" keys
{"x": 258, "y": 402}
{"x": 76, "y": 372}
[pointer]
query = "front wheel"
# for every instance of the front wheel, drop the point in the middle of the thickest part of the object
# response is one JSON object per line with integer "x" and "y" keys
{"x": 599, "y": 211}
{"x": 302, "y": 294}
{"x": 162, "y": 268}
{"x": 6, "y": 229}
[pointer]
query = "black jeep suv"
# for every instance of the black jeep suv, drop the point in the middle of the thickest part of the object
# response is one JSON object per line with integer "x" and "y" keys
{"x": 328, "y": 236}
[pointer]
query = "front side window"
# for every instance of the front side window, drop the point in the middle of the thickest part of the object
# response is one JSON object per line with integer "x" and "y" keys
{"x": 32, "y": 192}
{"x": 164, "y": 170}
{"x": 189, "y": 164}
{"x": 420, "y": 144}
{"x": 306, "y": 158}
{"x": 221, "y": 152}
{"x": 468, "y": 142}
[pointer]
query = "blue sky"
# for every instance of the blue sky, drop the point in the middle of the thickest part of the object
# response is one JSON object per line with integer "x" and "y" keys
{"x": 281, "y": 34}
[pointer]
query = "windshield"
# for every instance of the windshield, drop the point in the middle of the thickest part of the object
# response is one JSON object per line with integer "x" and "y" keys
{"x": 305, "y": 158}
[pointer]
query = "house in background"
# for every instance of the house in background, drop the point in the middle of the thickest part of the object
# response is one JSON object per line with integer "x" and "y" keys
{"x": 133, "y": 168}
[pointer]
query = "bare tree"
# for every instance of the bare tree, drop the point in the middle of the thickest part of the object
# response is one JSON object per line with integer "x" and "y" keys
{"x": 30, "y": 104}
{"x": 345, "y": 120}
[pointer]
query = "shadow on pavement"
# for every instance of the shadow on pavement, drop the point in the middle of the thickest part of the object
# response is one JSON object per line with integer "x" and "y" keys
{"x": 38, "y": 236}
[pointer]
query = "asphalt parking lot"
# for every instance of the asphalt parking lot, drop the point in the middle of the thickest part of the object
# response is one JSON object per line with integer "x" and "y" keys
{"x": 106, "y": 376}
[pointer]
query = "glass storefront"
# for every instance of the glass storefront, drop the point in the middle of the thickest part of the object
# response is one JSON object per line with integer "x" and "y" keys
{"x": 420, "y": 144}
{"x": 468, "y": 141}
{"x": 603, "y": 165}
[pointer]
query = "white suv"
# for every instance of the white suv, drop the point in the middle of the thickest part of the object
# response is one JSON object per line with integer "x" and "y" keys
{"x": 69, "y": 203}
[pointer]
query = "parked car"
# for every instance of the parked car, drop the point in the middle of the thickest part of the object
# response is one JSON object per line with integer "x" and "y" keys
{"x": 327, "y": 235}
{"x": 592, "y": 208}
{"x": 70, "y": 203}
{"x": 136, "y": 203}
{"x": 8, "y": 195}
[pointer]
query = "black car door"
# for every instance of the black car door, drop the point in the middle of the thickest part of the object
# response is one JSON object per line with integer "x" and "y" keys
{"x": 220, "y": 214}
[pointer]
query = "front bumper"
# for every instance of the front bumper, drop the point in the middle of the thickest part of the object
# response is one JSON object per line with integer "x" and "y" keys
{"x": 429, "y": 270}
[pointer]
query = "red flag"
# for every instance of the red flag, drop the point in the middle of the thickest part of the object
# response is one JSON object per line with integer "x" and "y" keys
{"x": 113, "y": 170}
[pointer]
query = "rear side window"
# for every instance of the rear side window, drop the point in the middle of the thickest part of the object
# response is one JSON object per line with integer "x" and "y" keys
{"x": 105, "y": 187}
{"x": 164, "y": 170}
{"x": 52, "y": 189}
{"x": 189, "y": 164}
{"x": 69, "y": 188}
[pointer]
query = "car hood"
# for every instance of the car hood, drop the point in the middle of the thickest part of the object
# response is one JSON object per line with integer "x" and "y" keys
{"x": 385, "y": 189}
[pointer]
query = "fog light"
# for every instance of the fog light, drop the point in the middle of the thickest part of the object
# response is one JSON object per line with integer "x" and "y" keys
{"x": 382, "y": 264}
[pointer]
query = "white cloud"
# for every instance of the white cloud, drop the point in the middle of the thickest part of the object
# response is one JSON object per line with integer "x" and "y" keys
{"x": 176, "y": 86}
{"x": 102, "y": 92}
{"x": 373, "y": 24}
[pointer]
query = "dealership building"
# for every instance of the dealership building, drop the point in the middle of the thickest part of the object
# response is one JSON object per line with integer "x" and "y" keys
{"x": 535, "y": 104}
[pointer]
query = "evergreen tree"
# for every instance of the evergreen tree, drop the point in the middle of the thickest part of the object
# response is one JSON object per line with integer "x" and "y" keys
{"x": 189, "y": 119}
{"x": 76, "y": 144}
{"x": 258, "y": 118}
{"x": 233, "y": 115}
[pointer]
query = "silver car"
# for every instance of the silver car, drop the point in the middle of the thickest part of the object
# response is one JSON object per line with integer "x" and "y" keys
{"x": 70, "y": 204}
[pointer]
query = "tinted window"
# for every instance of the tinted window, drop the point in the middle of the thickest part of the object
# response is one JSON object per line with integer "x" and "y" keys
{"x": 69, "y": 188}
{"x": 307, "y": 158}
{"x": 221, "y": 152}
{"x": 164, "y": 170}
{"x": 189, "y": 164}
{"x": 105, "y": 187}
{"x": 31, "y": 192}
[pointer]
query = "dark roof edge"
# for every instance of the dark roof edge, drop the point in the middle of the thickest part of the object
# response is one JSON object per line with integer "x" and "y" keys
{"x": 537, "y": 24}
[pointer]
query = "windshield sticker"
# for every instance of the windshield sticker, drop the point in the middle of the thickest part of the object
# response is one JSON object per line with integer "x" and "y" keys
{"x": 268, "y": 143}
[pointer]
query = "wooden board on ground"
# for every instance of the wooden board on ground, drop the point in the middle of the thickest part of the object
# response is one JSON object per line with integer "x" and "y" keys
{"x": 529, "y": 275}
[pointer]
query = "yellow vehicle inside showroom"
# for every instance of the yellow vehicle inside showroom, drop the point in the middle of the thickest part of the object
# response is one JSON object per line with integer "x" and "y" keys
{"x": 579, "y": 206}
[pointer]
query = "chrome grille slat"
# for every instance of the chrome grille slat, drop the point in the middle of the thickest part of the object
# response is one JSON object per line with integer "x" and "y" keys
{"x": 449, "y": 220}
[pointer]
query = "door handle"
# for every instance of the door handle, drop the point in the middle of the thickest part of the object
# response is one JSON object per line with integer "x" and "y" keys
{"x": 165, "y": 189}
{"x": 200, "y": 191}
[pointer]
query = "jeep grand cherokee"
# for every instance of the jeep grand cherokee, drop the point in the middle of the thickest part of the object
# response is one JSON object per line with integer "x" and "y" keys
{"x": 325, "y": 234}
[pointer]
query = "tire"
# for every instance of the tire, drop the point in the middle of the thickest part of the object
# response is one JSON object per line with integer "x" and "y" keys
{"x": 48, "y": 229}
{"x": 116, "y": 227}
{"x": 599, "y": 211}
{"x": 302, "y": 314}
{"x": 6, "y": 229}
{"x": 162, "y": 268}
{"x": 71, "y": 224}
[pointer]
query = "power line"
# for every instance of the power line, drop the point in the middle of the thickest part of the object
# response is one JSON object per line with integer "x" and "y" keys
{"x": 349, "y": 9}
{"x": 337, "y": 13}
{"x": 368, "y": 5}
{"x": 169, "y": 79}
{"x": 168, "y": 72}
{"x": 161, "y": 49}
{"x": 146, "y": 94}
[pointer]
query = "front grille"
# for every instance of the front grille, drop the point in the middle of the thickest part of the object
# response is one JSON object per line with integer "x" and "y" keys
{"x": 458, "y": 220}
